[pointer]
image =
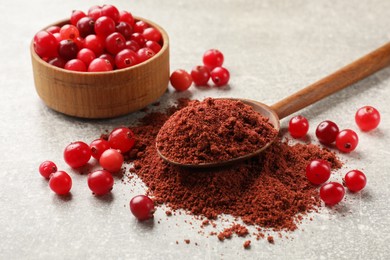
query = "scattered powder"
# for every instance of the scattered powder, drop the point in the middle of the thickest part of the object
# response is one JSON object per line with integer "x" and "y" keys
{"x": 269, "y": 191}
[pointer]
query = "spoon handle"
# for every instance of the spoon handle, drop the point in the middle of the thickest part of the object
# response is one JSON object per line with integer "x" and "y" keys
{"x": 342, "y": 78}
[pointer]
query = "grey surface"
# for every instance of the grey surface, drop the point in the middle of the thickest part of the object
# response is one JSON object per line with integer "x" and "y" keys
{"x": 272, "y": 49}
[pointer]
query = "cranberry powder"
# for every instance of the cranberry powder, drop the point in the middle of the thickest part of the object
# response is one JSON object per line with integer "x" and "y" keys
{"x": 213, "y": 130}
{"x": 269, "y": 191}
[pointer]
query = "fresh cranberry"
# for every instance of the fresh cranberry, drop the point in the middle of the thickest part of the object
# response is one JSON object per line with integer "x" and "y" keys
{"x": 69, "y": 32}
{"x": 100, "y": 182}
{"x": 367, "y": 118}
{"x": 140, "y": 26}
{"x": 220, "y": 76}
{"x": 332, "y": 193}
{"x": 104, "y": 26}
{"x": 152, "y": 34}
{"x": 99, "y": 65}
{"x": 76, "y": 16}
{"x": 86, "y": 26}
{"x": 145, "y": 54}
{"x": 213, "y": 58}
{"x": 200, "y": 75}
{"x": 142, "y": 207}
{"x": 75, "y": 65}
{"x": 347, "y": 140}
{"x": 47, "y": 168}
{"x": 111, "y": 160}
{"x": 121, "y": 138}
{"x": 115, "y": 42}
{"x": 126, "y": 58}
{"x": 355, "y": 180}
{"x": 110, "y": 11}
{"x": 77, "y": 154}
{"x": 318, "y": 171}
{"x": 154, "y": 46}
{"x": 298, "y": 126}
{"x": 98, "y": 146}
{"x": 125, "y": 29}
{"x": 67, "y": 49}
{"x": 181, "y": 80}
{"x": 127, "y": 17}
{"x": 45, "y": 44}
{"x": 60, "y": 182}
{"x": 86, "y": 56}
{"x": 327, "y": 131}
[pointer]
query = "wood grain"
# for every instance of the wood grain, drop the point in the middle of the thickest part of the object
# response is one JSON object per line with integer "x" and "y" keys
{"x": 342, "y": 78}
{"x": 103, "y": 94}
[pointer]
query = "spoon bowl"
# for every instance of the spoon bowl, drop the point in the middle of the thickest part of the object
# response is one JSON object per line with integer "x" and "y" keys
{"x": 340, "y": 79}
{"x": 260, "y": 108}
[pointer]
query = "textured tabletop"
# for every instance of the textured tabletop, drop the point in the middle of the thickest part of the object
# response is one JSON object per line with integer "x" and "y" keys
{"x": 272, "y": 49}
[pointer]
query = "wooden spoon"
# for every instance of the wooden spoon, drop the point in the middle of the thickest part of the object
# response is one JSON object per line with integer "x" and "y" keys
{"x": 342, "y": 78}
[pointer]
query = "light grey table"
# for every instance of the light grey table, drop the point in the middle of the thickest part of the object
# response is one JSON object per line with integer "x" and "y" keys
{"x": 272, "y": 49}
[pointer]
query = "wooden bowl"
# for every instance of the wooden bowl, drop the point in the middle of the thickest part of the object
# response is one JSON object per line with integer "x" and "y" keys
{"x": 103, "y": 94}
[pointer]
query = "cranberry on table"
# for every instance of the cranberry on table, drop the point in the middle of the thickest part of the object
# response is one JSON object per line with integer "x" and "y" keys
{"x": 200, "y": 75}
{"x": 180, "y": 79}
{"x": 100, "y": 182}
{"x": 355, "y": 180}
{"x": 77, "y": 154}
{"x": 98, "y": 146}
{"x": 121, "y": 138}
{"x": 367, "y": 118}
{"x": 142, "y": 207}
{"x": 332, "y": 193}
{"x": 47, "y": 168}
{"x": 298, "y": 126}
{"x": 327, "y": 131}
{"x": 213, "y": 58}
{"x": 318, "y": 171}
{"x": 220, "y": 76}
{"x": 111, "y": 160}
{"x": 60, "y": 182}
{"x": 347, "y": 140}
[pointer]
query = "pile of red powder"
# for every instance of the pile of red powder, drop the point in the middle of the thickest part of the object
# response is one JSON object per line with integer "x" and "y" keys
{"x": 268, "y": 191}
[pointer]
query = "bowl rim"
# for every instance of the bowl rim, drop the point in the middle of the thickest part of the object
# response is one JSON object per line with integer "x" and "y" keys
{"x": 164, "y": 47}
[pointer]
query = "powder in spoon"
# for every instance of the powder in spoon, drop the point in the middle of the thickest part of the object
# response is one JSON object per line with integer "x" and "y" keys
{"x": 213, "y": 130}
